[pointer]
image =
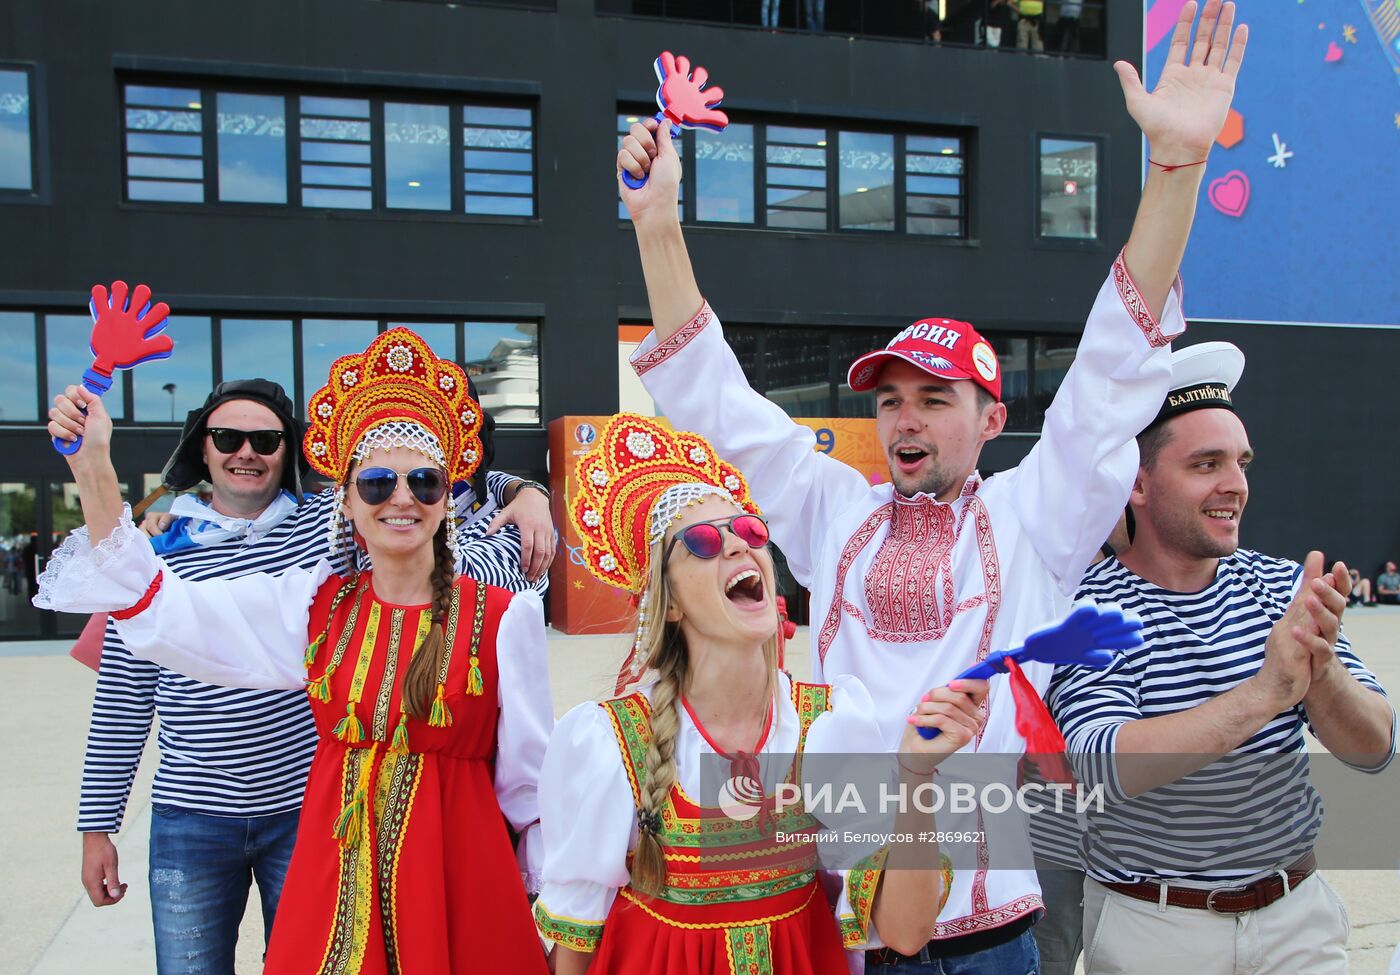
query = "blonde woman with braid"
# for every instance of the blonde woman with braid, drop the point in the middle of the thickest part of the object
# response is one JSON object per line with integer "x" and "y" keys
{"x": 430, "y": 691}
{"x": 639, "y": 875}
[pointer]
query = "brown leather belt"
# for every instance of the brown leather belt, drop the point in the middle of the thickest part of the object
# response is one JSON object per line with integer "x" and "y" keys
{"x": 1225, "y": 900}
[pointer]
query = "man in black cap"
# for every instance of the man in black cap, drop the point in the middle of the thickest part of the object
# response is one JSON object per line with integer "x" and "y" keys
{"x": 1241, "y": 652}
{"x": 233, "y": 762}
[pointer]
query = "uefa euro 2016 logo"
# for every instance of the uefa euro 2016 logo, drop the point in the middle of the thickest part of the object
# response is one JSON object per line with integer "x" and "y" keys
{"x": 585, "y": 434}
{"x": 740, "y": 798}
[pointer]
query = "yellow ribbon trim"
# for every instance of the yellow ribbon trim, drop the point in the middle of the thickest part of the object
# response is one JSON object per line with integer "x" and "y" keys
{"x": 626, "y": 893}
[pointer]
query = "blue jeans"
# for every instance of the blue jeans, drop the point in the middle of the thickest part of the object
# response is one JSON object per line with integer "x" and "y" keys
{"x": 1015, "y": 957}
{"x": 816, "y": 14}
{"x": 201, "y": 867}
{"x": 768, "y": 13}
{"x": 1060, "y": 934}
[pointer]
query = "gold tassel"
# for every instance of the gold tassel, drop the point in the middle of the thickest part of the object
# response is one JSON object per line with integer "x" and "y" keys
{"x": 309, "y": 657}
{"x": 351, "y": 822}
{"x": 399, "y": 746}
{"x": 440, "y": 716}
{"x": 474, "y": 678}
{"x": 349, "y": 729}
{"x": 320, "y": 689}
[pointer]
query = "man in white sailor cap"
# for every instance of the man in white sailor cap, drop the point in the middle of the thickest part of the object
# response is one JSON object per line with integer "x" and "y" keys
{"x": 1242, "y": 650}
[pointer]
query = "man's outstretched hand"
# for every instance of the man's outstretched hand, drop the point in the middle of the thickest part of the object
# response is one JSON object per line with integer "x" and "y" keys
{"x": 1182, "y": 116}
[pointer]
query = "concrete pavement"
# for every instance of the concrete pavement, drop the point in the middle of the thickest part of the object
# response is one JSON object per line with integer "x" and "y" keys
{"x": 47, "y": 926}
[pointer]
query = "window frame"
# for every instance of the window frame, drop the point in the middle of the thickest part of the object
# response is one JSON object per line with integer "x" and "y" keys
{"x": 38, "y": 191}
{"x": 1101, "y": 196}
{"x": 292, "y": 91}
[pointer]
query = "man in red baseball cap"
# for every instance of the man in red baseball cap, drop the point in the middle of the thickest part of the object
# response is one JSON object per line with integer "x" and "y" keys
{"x": 912, "y": 582}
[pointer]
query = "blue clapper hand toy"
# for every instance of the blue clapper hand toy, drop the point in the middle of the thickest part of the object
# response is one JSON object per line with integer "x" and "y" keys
{"x": 684, "y": 101}
{"x": 125, "y": 333}
{"x": 1086, "y": 637}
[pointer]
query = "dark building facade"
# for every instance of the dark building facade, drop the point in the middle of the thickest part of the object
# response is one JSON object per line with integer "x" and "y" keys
{"x": 292, "y": 177}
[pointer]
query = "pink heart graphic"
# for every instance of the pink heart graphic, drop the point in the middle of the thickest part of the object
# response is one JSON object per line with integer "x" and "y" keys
{"x": 1230, "y": 193}
{"x": 1334, "y": 52}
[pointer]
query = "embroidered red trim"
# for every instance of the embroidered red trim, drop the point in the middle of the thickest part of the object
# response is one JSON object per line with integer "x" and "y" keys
{"x": 140, "y": 605}
{"x": 1132, "y": 300}
{"x": 993, "y": 918}
{"x": 644, "y": 363}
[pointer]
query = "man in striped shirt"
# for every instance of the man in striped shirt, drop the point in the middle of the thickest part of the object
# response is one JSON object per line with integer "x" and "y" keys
{"x": 1202, "y": 857}
{"x": 233, "y": 762}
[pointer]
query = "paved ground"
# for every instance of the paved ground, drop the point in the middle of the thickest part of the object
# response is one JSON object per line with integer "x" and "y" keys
{"x": 47, "y": 926}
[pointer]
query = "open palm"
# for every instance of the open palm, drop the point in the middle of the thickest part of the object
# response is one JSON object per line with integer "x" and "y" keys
{"x": 1182, "y": 116}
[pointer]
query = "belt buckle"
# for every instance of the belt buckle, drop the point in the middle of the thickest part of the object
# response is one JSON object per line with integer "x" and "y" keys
{"x": 1210, "y": 900}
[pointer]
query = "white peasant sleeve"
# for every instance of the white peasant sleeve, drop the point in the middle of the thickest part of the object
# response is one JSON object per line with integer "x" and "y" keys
{"x": 523, "y": 728}
{"x": 244, "y": 632}
{"x": 588, "y": 819}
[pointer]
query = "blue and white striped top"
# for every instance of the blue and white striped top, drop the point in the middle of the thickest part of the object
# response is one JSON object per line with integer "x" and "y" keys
{"x": 231, "y": 751}
{"x": 1234, "y": 819}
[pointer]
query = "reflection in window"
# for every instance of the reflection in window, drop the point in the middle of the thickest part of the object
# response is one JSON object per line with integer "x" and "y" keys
{"x": 866, "y": 181}
{"x": 66, "y": 339}
{"x": 257, "y": 349}
{"x": 417, "y": 157}
{"x": 1069, "y": 170}
{"x": 499, "y": 160}
{"x": 1054, "y": 354}
{"x": 335, "y": 153}
{"x": 164, "y": 144}
{"x": 252, "y": 132}
{"x": 325, "y": 340}
{"x": 440, "y": 336}
{"x": 503, "y": 360}
{"x": 724, "y": 175}
{"x": 167, "y": 389}
{"x": 797, "y": 370}
{"x": 933, "y": 185}
{"x": 624, "y": 125}
{"x": 16, "y": 132}
{"x": 19, "y": 384}
{"x": 796, "y": 178}
{"x": 847, "y": 347}
{"x": 1014, "y": 356}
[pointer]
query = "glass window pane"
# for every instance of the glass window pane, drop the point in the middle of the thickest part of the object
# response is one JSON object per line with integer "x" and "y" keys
{"x": 66, "y": 514}
{"x": 796, "y": 158}
{"x": 797, "y": 366}
{"x": 934, "y": 206}
{"x": 1068, "y": 176}
{"x": 19, "y": 525}
{"x": 252, "y": 148}
{"x": 498, "y": 139}
{"x": 257, "y": 349}
{"x": 785, "y": 176}
{"x": 16, "y": 133}
{"x": 167, "y": 389}
{"x": 501, "y": 183}
{"x": 168, "y": 97}
{"x": 724, "y": 175}
{"x": 797, "y": 219}
{"x": 503, "y": 359}
{"x": 867, "y": 180}
{"x": 66, "y": 339}
{"x": 325, "y": 340}
{"x": 935, "y": 226}
{"x": 489, "y": 115}
{"x": 517, "y": 162}
{"x": 1053, "y": 356}
{"x": 19, "y": 383}
{"x": 940, "y": 165}
{"x": 163, "y": 144}
{"x": 937, "y": 185}
{"x": 1014, "y": 356}
{"x": 417, "y": 157}
{"x": 335, "y": 130}
{"x": 440, "y": 336}
{"x": 140, "y": 189}
{"x": 164, "y": 167}
{"x": 509, "y": 206}
{"x": 941, "y": 144}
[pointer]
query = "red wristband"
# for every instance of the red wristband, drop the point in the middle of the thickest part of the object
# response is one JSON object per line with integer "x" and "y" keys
{"x": 1167, "y": 169}
{"x": 143, "y": 602}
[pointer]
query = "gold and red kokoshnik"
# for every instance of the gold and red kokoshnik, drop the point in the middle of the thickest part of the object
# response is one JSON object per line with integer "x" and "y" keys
{"x": 398, "y": 378}
{"x": 634, "y": 460}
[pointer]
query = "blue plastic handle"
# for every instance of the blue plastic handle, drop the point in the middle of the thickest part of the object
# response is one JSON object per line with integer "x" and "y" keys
{"x": 632, "y": 181}
{"x": 979, "y": 671}
{"x": 97, "y": 384}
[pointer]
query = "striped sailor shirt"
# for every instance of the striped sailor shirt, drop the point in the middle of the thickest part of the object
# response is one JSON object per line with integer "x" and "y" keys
{"x": 228, "y": 751}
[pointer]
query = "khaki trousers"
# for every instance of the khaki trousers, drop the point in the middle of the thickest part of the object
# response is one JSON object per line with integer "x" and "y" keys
{"x": 1304, "y": 933}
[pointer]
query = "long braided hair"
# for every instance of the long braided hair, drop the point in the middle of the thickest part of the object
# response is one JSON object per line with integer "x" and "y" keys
{"x": 663, "y": 650}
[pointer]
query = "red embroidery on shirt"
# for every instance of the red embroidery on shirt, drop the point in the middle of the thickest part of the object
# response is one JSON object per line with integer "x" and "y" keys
{"x": 909, "y": 586}
{"x": 664, "y": 350}
{"x": 994, "y": 918}
{"x": 854, "y": 546}
{"x": 1132, "y": 300}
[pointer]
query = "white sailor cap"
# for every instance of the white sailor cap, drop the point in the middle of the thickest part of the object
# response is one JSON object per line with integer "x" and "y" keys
{"x": 1203, "y": 377}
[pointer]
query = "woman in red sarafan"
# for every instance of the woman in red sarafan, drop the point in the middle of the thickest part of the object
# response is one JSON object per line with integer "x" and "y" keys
{"x": 647, "y": 869}
{"x": 430, "y": 691}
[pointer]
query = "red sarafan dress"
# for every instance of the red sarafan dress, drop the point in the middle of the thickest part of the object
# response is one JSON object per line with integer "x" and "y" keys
{"x": 403, "y": 861}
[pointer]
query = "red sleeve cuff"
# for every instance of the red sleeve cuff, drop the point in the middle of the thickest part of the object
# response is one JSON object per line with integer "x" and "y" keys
{"x": 140, "y": 605}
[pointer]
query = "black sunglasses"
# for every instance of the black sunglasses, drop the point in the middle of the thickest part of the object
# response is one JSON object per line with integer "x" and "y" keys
{"x": 229, "y": 441}
{"x": 705, "y": 541}
{"x": 376, "y": 484}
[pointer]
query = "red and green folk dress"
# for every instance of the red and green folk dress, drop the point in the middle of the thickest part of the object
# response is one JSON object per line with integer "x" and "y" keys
{"x": 744, "y": 892}
{"x": 403, "y": 861}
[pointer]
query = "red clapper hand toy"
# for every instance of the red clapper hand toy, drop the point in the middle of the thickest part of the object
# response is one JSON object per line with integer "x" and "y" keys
{"x": 684, "y": 102}
{"x": 1085, "y": 638}
{"x": 124, "y": 334}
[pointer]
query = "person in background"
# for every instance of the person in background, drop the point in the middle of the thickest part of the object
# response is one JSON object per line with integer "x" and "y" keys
{"x": 1388, "y": 585}
{"x": 1028, "y": 27}
{"x": 1067, "y": 27}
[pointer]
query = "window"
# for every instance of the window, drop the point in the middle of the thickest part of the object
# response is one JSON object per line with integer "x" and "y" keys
{"x": 258, "y": 349}
{"x": 16, "y": 130}
{"x": 166, "y": 389}
{"x": 503, "y": 360}
{"x": 19, "y": 380}
{"x": 1054, "y": 354}
{"x": 1068, "y": 188}
{"x": 780, "y": 176}
{"x": 69, "y": 356}
{"x": 164, "y": 144}
{"x": 325, "y": 340}
{"x": 327, "y": 150}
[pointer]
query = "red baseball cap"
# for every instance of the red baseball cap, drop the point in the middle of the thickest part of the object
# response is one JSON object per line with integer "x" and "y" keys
{"x": 940, "y": 347}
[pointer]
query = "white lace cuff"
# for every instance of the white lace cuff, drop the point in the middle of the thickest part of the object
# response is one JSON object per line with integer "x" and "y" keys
{"x": 108, "y": 577}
